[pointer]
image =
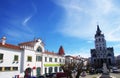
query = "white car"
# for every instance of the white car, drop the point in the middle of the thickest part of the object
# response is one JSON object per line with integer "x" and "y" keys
{"x": 115, "y": 70}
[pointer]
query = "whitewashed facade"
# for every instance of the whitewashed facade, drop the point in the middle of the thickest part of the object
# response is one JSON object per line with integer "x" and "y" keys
{"x": 28, "y": 58}
{"x": 8, "y": 65}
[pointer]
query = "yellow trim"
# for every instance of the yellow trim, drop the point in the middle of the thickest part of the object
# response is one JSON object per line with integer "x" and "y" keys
{"x": 11, "y": 68}
{"x": 48, "y": 64}
{"x": 3, "y": 68}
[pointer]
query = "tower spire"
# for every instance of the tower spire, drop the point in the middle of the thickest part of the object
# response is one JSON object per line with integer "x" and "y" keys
{"x": 98, "y": 29}
{"x": 98, "y": 32}
{"x": 61, "y": 51}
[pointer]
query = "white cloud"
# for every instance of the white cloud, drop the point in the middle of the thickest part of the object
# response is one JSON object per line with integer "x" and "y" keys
{"x": 90, "y": 41}
{"x": 114, "y": 34}
{"x": 81, "y": 16}
{"x": 102, "y": 6}
{"x": 117, "y": 46}
{"x": 29, "y": 17}
{"x": 82, "y": 52}
{"x": 26, "y": 20}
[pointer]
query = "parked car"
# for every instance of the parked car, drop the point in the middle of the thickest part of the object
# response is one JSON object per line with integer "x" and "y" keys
{"x": 83, "y": 74}
{"x": 40, "y": 77}
{"x": 92, "y": 71}
{"x": 115, "y": 70}
{"x": 49, "y": 75}
{"x": 99, "y": 70}
{"x": 61, "y": 74}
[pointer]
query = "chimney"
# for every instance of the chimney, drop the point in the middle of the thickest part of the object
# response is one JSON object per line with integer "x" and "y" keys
{"x": 3, "y": 40}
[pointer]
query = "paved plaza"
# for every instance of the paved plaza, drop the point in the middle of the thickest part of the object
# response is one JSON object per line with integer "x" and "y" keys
{"x": 114, "y": 75}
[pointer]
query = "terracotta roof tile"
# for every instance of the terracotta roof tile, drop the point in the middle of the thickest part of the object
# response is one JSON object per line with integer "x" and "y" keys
{"x": 51, "y": 53}
{"x": 30, "y": 43}
{"x": 10, "y": 46}
{"x": 74, "y": 57}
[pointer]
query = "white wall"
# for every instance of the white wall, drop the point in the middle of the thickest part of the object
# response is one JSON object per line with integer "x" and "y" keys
{"x": 8, "y": 59}
{"x": 53, "y": 62}
{"x": 26, "y": 63}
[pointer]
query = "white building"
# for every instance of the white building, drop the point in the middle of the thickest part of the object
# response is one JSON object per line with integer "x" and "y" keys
{"x": 77, "y": 59}
{"x": 28, "y": 58}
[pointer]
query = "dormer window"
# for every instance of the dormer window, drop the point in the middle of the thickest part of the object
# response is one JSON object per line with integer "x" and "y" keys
{"x": 39, "y": 49}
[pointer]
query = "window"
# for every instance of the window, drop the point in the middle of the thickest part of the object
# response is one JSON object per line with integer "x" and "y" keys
{"x": 50, "y": 69}
{"x": 100, "y": 48}
{"x": 55, "y": 59}
{"x": 15, "y": 68}
{"x": 15, "y": 57}
{"x": 38, "y": 71}
{"x": 39, "y": 49}
{"x": 7, "y": 68}
{"x": 99, "y": 39}
{"x": 1, "y": 56}
{"x": 103, "y": 44}
{"x": 102, "y": 39}
{"x": 29, "y": 58}
{"x": 38, "y": 58}
{"x": 45, "y": 59}
{"x": 94, "y": 60}
{"x": 59, "y": 60}
{"x": 55, "y": 69}
{"x": 60, "y": 69}
{"x": 45, "y": 70}
{"x": 0, "y": 68}
{"x": 63, "y": 60}
{"x": 50, "y": 59}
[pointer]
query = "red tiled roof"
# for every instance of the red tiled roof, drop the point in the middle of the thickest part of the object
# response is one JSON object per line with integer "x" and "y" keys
{"x": 10, "y": 46}
{"x": 74, "y": 57}
{"x": 51, "y": 53}
{"x": 30, "y": 43}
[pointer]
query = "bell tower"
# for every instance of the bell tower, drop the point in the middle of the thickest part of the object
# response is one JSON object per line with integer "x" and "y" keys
{"x": 100, "y": 42}
{"x": 101, "y": 53}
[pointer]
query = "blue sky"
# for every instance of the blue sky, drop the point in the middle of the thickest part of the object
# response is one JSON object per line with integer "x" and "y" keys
{"x": 70, "y": 23}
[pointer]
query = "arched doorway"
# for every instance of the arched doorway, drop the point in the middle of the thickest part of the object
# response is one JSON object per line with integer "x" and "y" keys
{"x": 50, "y": 69}
{"x": 28, "y": 73}
{"x": 55, "y": 69}
{"x": 38, "y": 71}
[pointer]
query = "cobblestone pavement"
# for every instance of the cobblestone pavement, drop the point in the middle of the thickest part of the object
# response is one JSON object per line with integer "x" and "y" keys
{"x": 114, "y": 75}
{"x": 91, "y": 76}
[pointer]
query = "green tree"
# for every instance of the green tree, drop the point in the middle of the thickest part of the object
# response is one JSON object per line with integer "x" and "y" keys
{"x": 79, "y": 68}
{"x": 71, "y": 67}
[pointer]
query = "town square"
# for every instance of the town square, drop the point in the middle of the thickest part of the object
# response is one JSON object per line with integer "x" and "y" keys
{"x": 59, "y": 39}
